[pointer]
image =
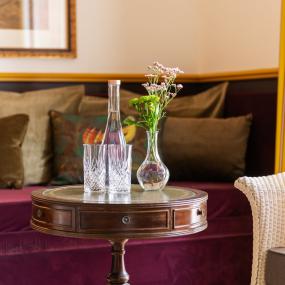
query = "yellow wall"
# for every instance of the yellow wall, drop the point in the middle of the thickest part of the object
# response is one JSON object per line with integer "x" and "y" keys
{"x": 240, "y": 34}
{"x": 200, "y": 36}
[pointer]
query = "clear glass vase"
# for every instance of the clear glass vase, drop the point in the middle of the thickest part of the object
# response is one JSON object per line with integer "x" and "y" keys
{"x": 152, "y": 174}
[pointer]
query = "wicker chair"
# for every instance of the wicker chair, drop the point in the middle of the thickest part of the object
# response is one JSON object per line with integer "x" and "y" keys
{"x": 267, "y": 200}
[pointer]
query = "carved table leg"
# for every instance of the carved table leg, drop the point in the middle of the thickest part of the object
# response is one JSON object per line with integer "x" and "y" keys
{"x": 118, "y": 275}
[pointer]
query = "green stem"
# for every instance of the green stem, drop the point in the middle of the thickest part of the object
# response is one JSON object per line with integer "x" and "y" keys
{"x": 152, "y": 146}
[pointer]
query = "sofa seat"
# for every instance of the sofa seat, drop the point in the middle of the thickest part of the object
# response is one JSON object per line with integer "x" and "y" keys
{"x": 15, "y": 209}
{"x": 179, "y": 260}
{"x": 224, "y": 201}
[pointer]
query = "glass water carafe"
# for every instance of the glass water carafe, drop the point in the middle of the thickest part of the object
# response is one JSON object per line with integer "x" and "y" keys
{"x": 113, "y": 132}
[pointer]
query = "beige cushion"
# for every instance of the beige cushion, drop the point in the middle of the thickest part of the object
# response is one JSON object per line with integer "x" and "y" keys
{"x": 205, "y": 149}
{"x": 37, "y": 104}
{"x": 91, "y": 105}
{"x": 209, "y": 103}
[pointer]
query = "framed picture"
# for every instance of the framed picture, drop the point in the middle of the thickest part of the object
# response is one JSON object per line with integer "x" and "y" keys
{"x": 37, "y": 28}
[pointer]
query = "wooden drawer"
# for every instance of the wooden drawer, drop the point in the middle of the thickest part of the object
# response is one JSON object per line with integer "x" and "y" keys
{"x": 55, "y": 217}
{"x": 120, "y": 221}
{"x": 184, "y": 218}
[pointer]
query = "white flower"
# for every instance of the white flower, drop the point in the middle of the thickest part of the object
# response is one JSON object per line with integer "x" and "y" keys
{"x": 168, "y": 76}
{"x": 179, "y": 86}
{"x": 150, "y": 75}
{"x": 158, "y": 68}
{"x": 145, "y": 85}
{"x": 155, "y": 88}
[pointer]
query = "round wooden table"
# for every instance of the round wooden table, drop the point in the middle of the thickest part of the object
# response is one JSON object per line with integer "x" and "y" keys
{"x": 68, "y": 211}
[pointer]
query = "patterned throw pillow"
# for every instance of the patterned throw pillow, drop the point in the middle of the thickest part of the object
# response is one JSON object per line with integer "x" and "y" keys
{"x": 70, "y": 132}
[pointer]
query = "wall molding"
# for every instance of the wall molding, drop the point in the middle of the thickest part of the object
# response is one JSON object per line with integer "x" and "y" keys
{"x": 239, "y": 75}
{"x": 103, "y": 77}
{"x": 280, "y": 117}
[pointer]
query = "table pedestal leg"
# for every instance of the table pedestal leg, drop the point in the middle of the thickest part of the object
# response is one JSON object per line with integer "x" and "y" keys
{"x": 118, "y": 275}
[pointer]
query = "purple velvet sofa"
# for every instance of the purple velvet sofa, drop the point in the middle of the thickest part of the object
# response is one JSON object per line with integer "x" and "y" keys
{"x": 219, "y": 255}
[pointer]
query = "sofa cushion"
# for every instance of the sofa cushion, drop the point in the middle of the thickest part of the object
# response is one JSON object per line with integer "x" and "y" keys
{"x": 13, "y": 130}
{"x": 36, "y": 104}
{"x": 15, "y": 209}
{"x": 71, "y": 131}
{"x": 225, "y": 240}
{"x": 205, "y": 148}
{"x": 209, "y": 103}
{"x": 98, "y": 105}
{"x": 224, "y": 202}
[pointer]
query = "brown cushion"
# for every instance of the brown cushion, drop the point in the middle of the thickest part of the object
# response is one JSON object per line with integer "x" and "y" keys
{"x": 209, "y": 103}
{"x": 275, "y": 264}
{"x": 37, "y": 104}
{"x": 206, "y": 148}
{"x": 13, "y": 130}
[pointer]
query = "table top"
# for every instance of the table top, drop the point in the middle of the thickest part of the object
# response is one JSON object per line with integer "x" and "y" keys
{"x": 68, "y": 211}
{"x": 75, "y": 194}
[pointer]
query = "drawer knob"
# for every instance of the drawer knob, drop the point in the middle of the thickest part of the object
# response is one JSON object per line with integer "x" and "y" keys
{"x": 126, "y": 220}
{"x": 39, "y": 213}
{"x": 199, "y": 212}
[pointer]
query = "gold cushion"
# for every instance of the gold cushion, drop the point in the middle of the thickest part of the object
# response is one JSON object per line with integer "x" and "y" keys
{"x": 13, "y": 130}
{"x": 209, "y": 103}
{"x": 95, "y": 105}
{"x": 37, "y": 104}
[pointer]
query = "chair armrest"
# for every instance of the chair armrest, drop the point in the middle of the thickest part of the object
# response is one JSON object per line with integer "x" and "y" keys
{"x": 267, "y": 200}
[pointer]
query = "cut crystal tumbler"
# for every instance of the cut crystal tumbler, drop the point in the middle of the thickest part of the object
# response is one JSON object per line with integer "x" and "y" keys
{"x": 120, "y": 168}
{"x": 94, "y": 164}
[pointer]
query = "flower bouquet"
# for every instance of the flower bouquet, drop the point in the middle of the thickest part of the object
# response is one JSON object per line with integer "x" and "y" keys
{"x": 151, "y": 108}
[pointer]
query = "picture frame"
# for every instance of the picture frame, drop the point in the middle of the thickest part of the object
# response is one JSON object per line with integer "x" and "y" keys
{"x": 38, "y": 28}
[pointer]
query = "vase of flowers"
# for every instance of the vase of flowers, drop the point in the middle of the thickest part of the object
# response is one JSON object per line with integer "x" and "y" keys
{"x": 161, "y": 89}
